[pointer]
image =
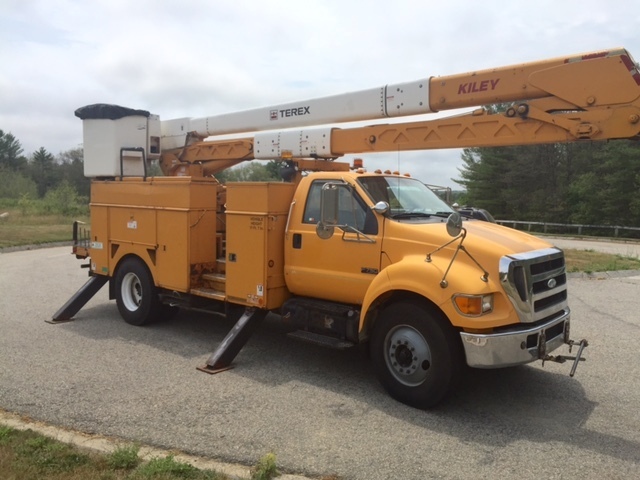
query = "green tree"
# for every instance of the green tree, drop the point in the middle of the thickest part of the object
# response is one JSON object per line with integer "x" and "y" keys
{"x": 579, "y": 182}
{"x": 251, "y": 172}
{"x": 519, "y": 183}
{"x": 71, "y": 164}
{"x": 16, "y": 185}
{"x": 64, "y": 199}
{"x": 605, "y": 189}
{"x": 482, "y": 177}
{"x": 43, "y": 171}
{"x": 11, "y": 153}
{"x": 273, "y": 169}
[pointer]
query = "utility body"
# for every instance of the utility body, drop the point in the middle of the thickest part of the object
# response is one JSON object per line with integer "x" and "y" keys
{"x": 343, "y": 255}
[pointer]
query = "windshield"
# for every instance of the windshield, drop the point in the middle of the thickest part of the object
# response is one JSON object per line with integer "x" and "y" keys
{"x": 404, "y": 195}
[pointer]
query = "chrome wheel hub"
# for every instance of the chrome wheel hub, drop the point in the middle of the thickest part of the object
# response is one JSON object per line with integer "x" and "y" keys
{"x": 407, "y": 355}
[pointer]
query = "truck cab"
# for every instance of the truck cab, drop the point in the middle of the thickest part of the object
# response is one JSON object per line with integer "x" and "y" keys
{"x": 361, "y": 246}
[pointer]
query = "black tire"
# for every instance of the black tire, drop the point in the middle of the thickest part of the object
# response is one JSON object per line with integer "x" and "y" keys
{"x": 136, "y": 294}
{"x": 416, "y": 354}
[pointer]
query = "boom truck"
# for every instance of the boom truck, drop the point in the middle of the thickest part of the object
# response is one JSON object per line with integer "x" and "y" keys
{"x": 344, "y": 255}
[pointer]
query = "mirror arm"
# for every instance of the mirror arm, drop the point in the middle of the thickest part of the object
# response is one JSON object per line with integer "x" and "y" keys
{"x": 443, "y": 282}
{"x": 485, "y": 274}
{"x": 348, "y": 228}
{"x": 428, "y": 259}
{"x": 461, "y": 237}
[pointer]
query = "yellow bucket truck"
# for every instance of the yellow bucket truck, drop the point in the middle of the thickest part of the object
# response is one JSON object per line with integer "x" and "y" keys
{"x": 344, "y": 255}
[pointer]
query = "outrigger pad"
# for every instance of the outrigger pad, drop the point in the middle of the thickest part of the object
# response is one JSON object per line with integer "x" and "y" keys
{"x": 53, "y": 321}
{"x": 212, "y": 371}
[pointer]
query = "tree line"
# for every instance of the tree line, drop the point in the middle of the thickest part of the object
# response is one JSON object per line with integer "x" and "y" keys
{"x": 60, "y": 179}
{"x": 42, "y": 176}
{"x": 591, "y": 183}
{"x": 594, "y": 183}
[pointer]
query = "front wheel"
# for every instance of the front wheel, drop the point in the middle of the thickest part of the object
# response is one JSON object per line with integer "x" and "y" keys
{"x": 136, "y": 294}
{"x": 416, "y": 354}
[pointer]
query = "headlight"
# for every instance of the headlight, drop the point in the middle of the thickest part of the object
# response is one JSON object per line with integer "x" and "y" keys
{"x": 473, "y": 305}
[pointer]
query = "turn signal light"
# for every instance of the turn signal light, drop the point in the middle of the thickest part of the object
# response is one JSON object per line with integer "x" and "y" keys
{"x": 473, "y": 305}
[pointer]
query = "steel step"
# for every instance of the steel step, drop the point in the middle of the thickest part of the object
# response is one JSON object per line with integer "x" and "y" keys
{"x": 215, "y": 281}
{"x": 209, "y": 293}
{"x": 221, "y": 265}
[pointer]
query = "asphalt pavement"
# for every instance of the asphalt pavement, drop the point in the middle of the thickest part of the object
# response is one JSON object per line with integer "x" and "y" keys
{"x": 320, "y": 411}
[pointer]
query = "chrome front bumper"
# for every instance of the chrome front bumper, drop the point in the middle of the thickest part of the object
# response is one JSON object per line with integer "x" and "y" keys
{"x": 516, "y": 346}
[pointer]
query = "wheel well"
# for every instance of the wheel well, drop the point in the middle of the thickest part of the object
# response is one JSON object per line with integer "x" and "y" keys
{"x": 399, "y": 296}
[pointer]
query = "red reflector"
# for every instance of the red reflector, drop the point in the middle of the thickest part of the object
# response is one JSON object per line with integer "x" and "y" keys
{"x": 633, "y": 68}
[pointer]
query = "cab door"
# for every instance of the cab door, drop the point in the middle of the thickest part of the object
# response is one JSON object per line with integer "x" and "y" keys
{"x": 339, "y": 268}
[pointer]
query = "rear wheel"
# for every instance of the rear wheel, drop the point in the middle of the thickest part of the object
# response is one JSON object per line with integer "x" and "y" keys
{"x": 136, "y": 294}
{"x": 416, "y": 354}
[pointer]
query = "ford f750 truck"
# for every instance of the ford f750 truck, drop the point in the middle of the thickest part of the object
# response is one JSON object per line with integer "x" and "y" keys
{"x": 344, "y": 255}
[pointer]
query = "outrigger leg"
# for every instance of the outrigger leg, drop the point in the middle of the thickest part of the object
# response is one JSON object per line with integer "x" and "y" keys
{"x": 220, "y": 360}
{"x": 79, "y": 299}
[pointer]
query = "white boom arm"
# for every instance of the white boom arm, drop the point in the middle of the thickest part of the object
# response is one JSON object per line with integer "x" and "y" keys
{"x": 401, "y": 99}
{"x": 593, "y": 96}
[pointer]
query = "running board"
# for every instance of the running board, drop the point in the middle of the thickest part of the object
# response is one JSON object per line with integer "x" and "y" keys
{"x": 79, "y": 299}
{"x": 321, "y": 340}
{"x": 220, "y": 360}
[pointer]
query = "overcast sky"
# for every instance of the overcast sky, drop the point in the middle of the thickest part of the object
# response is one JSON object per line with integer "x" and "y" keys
{"x": 191, "y": 58}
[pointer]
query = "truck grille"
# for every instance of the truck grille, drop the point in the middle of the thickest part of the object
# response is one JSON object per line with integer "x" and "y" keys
{"x": 536, "y": 284}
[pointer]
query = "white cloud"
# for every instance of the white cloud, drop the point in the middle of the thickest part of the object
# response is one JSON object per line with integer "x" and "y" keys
{"x": 197, "y": 57}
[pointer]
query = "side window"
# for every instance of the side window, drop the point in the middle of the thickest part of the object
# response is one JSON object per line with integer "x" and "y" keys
{"x": 312, "y": 208}
{"x": 352, "y": 210}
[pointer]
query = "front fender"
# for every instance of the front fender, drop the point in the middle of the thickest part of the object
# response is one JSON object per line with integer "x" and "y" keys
{"x": 411, "y": 274}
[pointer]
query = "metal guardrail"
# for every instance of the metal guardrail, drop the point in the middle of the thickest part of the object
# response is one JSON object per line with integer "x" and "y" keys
{"x": 549, "y": 227}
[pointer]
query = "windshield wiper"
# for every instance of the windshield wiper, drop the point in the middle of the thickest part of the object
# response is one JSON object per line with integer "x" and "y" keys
{"x": 411, "y": 214}
{"x": 443, "y": 214}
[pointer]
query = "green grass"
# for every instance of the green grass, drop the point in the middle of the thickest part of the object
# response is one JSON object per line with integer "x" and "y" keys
{"x": 29, "y": 455}
{"x": 124, "y": 458}
{"x": 169, "y": 468}
{"x": 18, "y": 228}
{"x": 589, "y": 261}
{"x": 266, "y": 468}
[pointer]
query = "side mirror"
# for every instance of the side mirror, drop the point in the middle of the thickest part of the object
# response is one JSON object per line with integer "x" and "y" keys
{"x": 329, "y": 204}
{"x": 381, "y": 208}
{"x": 454, "y": 224}
{"x": 324, "y": 231}
{"x": 328, "y": 211}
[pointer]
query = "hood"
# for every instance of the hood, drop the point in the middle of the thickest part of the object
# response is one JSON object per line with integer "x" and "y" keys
{"x": 483, "y": 238}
